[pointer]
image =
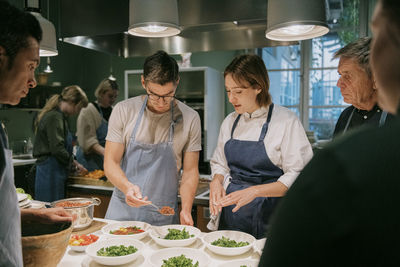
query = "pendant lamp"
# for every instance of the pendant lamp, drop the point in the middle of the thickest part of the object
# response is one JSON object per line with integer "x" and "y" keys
{"x": 48, "y": 68}
{"x": 153, "y": 18}
{"x": 48, "y": 45}
{"x": 295, "y": 20}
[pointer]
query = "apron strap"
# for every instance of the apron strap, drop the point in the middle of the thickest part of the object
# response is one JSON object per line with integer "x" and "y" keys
{"x": 139, "y": 119}
{"x": 265, "y": 126}
{"x": 234, "y": 125}
{"x": 383, "y": 118}
{"x": 172, "y": 125}
{"x": 348, "y": 120}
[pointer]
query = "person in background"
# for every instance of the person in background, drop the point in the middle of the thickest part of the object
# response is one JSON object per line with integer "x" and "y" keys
{"x": 20, "y": 34}
{"x": 53, "y": 143}
{"x": 358, "y": 88}
{"x": 150, "y": 139}
{"x": 92, "y": 126}
{"x": 261, "y": 148}
{"x": 343, "y": 208}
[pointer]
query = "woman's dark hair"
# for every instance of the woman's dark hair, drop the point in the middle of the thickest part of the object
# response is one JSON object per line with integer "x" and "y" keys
{"x": 16, "y": 27}
{"x": 250, "y": 70}
{"x": 160, "y": 68}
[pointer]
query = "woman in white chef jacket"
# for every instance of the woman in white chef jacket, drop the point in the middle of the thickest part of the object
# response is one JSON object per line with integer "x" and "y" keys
{"x": 261, "y": 149}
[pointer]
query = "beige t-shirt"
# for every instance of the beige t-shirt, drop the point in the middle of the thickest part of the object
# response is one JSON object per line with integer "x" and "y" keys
{"x": 88, "y": 121}
{"x": 154, "y": 128}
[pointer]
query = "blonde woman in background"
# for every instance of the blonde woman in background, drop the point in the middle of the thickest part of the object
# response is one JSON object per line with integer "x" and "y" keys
{"x": 53, "y": 143}
{"x": 92, "y": 126}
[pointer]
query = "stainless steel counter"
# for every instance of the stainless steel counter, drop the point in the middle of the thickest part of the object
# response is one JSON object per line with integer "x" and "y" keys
{"x": 20, "y": 162}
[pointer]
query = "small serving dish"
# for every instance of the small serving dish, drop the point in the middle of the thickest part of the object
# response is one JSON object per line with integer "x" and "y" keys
{"x": 79, "y": 243}
{"x": 237, "y": 236}
{"x": 126, "y": 229}
{"x": 158, "y": 234}
{"x": 92, "y": 250}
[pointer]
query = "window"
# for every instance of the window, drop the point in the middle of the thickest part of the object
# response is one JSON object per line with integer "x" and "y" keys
{"x": 315, "y": 98}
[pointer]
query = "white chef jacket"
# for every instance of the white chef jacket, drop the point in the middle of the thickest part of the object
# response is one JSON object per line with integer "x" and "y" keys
{"x": 286, "y": 142}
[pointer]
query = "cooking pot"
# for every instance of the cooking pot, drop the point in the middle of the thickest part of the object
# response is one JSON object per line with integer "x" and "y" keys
{"x": 80, "y": 206}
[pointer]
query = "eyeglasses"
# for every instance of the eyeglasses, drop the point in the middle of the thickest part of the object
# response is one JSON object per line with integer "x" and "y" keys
{"x": 165, "y": 98}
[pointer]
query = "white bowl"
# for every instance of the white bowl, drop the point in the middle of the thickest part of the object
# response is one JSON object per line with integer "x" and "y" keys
{"x": 115, "y": 226}
{"x": 238, "y": 263}
{"x": 233, "y": 235}
{"x": 157, "y": 257}
{"x": 159, "y": 232}
{"x": 92, "y": 249}
{"x": 81, "y": 248}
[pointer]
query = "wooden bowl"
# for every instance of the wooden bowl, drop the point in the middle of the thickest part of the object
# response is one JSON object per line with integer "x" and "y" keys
{"x": 44, "y": 244}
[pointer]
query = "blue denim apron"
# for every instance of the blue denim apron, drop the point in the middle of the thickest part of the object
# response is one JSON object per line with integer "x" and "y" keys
{"x": 10, "y": 221}
{"x": 249, "y": 165}
{"x": 152, "y": 167}
{"x": 94, "y": 161}
{"x": 382, "y": 119}
{"x": 51, "y": 176}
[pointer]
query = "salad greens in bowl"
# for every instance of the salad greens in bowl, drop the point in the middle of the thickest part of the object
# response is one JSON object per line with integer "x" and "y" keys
{"x": 115, "y": 251}
{"x": 228, "y": 243}
{"x": 174, "y": 235}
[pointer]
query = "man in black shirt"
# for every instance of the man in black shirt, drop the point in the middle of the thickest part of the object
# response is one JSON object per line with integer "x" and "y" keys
{"x": 343, "y": 209}
{"x": 358, "y": 88}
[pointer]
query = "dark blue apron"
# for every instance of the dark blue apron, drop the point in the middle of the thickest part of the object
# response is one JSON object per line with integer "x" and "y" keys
{"x": 249, "y": 166}
{"x": 94, "y": 161}
{"x": 10, "y": 221}
{"x": 51, "y": 176}
{"x": 152, "y": 167}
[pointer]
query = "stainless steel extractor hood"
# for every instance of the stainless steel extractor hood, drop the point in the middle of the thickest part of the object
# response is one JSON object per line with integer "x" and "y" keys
{"x": 207, "y": 25}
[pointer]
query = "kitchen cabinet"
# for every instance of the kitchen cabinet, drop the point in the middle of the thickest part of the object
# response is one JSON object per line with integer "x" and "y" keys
{"x": 202, "y": 89}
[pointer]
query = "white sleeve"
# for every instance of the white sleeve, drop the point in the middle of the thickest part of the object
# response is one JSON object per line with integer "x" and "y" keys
{"x": 218, "y": 161}
{"x": 296, "y": 151}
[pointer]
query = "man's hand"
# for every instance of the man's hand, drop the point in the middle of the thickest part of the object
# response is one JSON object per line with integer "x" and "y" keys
{"x": 186, "y": 218}
{"x": 48, "y": 216}
{"x": 133, "y": 197}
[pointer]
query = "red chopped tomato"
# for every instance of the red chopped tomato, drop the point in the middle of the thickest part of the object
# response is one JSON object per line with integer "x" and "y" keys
{"x": 82, "y": 240}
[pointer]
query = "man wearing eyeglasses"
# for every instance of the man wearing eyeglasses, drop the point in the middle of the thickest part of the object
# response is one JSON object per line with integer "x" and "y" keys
{"x": 150, "y": 139}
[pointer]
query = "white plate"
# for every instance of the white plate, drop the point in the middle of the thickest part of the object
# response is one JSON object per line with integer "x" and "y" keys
{"x": 159, "y": 232}
{"x": 36, "y": 204}
{"x": 157, "y": 257}
{"x": 115, "y": 226}
{"x": 24, "y": 203}
{"x": 233, "y": 235}
{"x": 92, "y": 249}
{"x": 238, "y": 263}
{"x": 21, "y": 196}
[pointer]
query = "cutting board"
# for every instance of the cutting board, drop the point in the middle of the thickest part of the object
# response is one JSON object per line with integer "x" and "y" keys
{"x": 94, "y": 226}
{"x": 88, "y": 181}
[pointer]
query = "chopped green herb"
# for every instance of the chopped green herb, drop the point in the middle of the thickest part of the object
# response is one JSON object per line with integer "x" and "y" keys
{"x": 226, "y": 242}
{"x": 179, "y": 261}
{"x": 114, "y": 251}
{"x": 176, "y": 234}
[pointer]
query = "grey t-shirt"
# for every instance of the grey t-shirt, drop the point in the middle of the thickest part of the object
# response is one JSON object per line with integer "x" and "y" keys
{"x": 154, "y": 128}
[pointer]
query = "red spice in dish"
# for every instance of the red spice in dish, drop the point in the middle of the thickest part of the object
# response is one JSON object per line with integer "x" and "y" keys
{"x": 166, "y": 210}
{"x": 71, "y": 204}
